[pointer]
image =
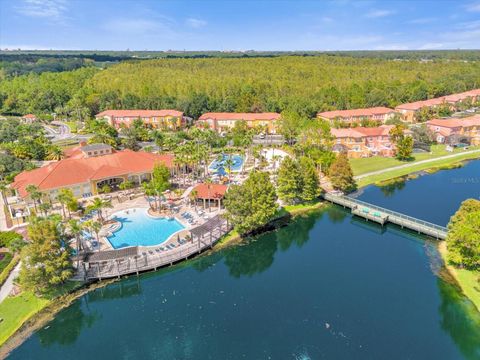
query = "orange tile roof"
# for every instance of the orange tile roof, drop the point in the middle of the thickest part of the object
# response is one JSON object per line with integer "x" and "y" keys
{"x": 417, "y": 105}
{"x": 356, "y": 112}
{"x": 29, "y": 116}
{"x": 360, "y": 132}
{"x": 216, "y": 191}
{"x": 456, "y": 122}
{"x": 140, "y": 113}
{"x": 76, "y": 171}
{"x": 239, "y": 116}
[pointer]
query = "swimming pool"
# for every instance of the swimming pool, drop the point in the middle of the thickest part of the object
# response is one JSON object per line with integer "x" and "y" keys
{"x": 219, "y": 164}
{"x": 138, "y": 228}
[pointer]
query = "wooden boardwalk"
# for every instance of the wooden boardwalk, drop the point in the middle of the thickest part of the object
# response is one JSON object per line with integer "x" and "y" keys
{"x": 137, "y": 259}
{"x": 381, "y": 215}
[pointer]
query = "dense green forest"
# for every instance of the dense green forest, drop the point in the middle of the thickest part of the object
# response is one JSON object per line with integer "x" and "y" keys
{"x": 305, "y": 84}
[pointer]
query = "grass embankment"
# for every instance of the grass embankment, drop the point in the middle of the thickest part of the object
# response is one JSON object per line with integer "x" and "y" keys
{"x": 412, "y": 167}
{"x": 16, "y": 310}
{"x": 469, "y": 281}
{"x": 73, "y": 125}
{"x": 375, "y": 163}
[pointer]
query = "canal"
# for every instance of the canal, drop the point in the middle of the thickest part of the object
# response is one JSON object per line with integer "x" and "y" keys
{"x": 327, "y": 287}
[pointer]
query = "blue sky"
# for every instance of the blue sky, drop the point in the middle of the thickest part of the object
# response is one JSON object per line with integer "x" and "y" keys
{"x": 239, "y": 25}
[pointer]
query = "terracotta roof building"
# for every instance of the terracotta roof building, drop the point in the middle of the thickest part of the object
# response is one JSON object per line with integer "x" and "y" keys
{"x": 380, "y": 114}
{"x": 163, "y": 119}
{"x": 225, "y": 121}
{"x": 210, "y": 192}
{"x": 409, "y": 110}
{"x": 88, "y": 174}
{"x": 29, "y": 118}
{"x": 456, "y": 130}
{"x": 364, "y": 142}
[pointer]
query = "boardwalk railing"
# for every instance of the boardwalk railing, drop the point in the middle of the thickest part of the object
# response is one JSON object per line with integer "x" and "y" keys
{"x": 412, "y": 223}
{"x": 150, "y": 258}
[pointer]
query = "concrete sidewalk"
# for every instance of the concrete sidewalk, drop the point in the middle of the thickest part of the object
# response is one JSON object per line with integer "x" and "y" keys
{"x": 7, "y": 287}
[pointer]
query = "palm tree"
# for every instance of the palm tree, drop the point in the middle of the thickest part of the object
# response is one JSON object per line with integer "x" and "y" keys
{"x": 229, "y": 164}
{"x": 193, "y": 197}
{"x": 45, "y": 208}
{"x": 64, "y": 197}
{"x": 34, "y": 193}
{"x": 55, "y": 153}
{"x": 76, "y": 228}
{"x": 149, "y": 190}
{"x": 98, "y": 205}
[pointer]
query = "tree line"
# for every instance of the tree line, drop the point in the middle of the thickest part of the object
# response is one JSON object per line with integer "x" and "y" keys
{"x": 305, "y": 84}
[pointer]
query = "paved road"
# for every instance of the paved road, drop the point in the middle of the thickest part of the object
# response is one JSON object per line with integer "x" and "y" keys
{"x": 8, "y": 285}
{"x": 358, "y": 177}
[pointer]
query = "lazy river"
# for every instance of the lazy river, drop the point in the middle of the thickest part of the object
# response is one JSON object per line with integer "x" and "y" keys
{"x": 327, "y": 287}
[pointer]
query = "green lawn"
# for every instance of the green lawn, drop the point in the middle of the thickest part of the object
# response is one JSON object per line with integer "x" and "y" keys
{"x": 366, "y": 165}
{"x": 470, "y": 283}
{"x": 413, "y": 168}
{"x": 14, "y": 311}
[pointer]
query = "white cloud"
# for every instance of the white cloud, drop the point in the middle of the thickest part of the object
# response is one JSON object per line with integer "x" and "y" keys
{"x": 326, "y": 19}
{"x": 379, "y": 13}
{"x": 473, "y": 7}
{"x": 425, "y": 20}
{"x": 53, "y": 9}
{"x": 195, "y": 23}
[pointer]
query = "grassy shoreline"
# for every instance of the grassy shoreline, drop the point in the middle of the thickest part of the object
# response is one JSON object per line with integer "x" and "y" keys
{"x": 466, "y": 279}
{"x": 431, "y": 167}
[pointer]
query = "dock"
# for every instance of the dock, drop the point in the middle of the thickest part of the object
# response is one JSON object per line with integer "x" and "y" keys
{"x": 382, "y": 216}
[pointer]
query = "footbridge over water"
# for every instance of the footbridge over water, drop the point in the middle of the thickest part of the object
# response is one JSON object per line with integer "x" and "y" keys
{"x": 381, "y": 215}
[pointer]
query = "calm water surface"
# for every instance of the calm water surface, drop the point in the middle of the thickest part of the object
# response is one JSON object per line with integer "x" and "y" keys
{"x": 327, "y": 287}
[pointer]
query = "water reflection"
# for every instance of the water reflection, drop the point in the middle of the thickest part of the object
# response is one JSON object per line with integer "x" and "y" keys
{"x": 68, "y": 325}
{"x": 460, "y": 319}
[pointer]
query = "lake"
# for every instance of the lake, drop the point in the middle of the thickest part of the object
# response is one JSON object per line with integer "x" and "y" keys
{"x": 327, "y": 287}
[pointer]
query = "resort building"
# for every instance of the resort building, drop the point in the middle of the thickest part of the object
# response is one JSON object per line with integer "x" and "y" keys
{"x": 210, "y": 192}
{"x": 158, "y": 119}
{"x": 409, "y": 110}
{"x": 29, "y": 118}
{"x": 455, "y": 130}
{"x": 364, "y": 142}
{"x": 86, "y": 175}
{"x": 221, "y": 122}
{"x": 380, "y": 114}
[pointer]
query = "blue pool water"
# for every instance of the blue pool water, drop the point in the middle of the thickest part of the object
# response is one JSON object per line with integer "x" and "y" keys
{"x": 140, "y": 229}
{"x": 219, "y": 164}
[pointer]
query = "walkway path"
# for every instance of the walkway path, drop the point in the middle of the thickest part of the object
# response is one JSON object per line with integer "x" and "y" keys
{"x": 358, "y": 177}
{"x": 8, "y": 285}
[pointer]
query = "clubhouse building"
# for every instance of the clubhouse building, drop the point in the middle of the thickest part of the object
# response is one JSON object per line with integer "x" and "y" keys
{"x": 222, "y": 121}
{"x": 158, "y": 119}
{"x": 88, "y": 169}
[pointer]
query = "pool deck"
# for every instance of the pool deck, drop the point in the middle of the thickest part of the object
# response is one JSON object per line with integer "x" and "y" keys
{"x": 109, "y": 262}
{"x": 136, "y": 259}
